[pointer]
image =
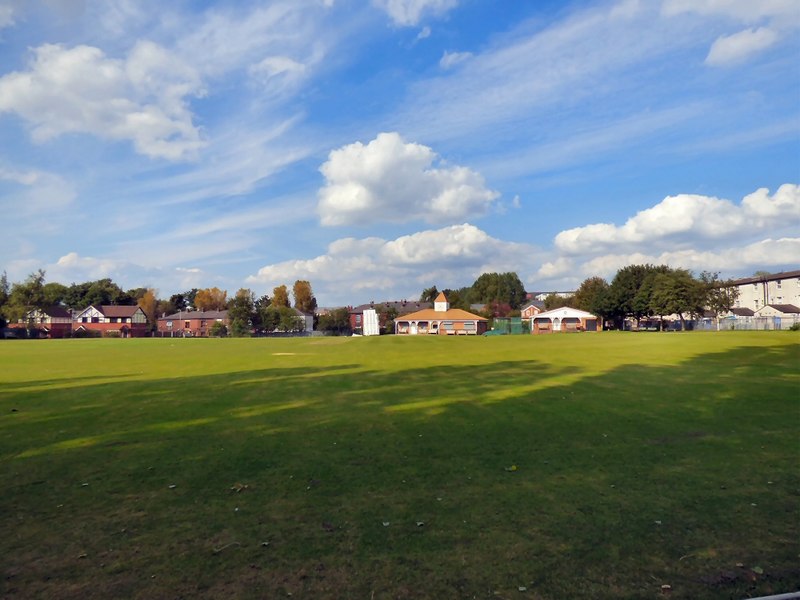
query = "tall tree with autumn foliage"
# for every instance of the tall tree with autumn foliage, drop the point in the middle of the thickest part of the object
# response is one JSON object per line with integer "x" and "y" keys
{"x": 304, "y": 299}
{"x": 211, "y": 299}
{"x": 149, "y": 305}
{"x": 280, "y": 297}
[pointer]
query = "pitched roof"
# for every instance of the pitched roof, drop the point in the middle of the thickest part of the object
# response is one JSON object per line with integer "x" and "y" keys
{"x": 441, "y": 297}
{"x": 453, "y": 314}
{"x": 743, "y": 312}
{"x": 117, "y": 311}
{"x": 772, "y": 277}
{"x": 786, "y": 309}
{"x": 55, "y": 311}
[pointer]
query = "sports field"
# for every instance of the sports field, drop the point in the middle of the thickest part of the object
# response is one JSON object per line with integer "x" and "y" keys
{"x": 592, "y": 465}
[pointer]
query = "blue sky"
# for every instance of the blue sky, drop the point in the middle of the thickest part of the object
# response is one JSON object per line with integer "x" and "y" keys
{"x": 376, "y": 148}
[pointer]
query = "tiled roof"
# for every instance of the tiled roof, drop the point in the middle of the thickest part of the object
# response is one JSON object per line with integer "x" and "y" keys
{"x": 743, "y": 312}
{"x": 117, "y": 311}
{"x": 453, "y": 314}
{"x": 787, "y": 309}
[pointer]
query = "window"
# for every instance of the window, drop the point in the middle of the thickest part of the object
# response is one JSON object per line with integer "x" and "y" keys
{"x": 113, "y": 319}
{"x": 95, "y": 319}
{"x": 187, "y": 325}
{"x": 778, "y": 283}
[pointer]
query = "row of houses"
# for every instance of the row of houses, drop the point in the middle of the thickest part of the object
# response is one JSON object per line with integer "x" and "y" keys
{"x": 768, "y": 301}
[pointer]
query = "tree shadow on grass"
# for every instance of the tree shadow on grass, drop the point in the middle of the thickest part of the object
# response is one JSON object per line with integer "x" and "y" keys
{"x": 435, "y": 482}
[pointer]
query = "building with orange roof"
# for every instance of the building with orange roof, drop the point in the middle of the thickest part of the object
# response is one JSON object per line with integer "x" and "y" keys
{"x": 440, "y": 320}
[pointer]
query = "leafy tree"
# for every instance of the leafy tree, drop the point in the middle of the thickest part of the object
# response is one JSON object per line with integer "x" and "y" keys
{"x": 240, "y": 312}
{"x": 720, "y": 296}
{"x": 429, "y": 294}
{"x": 149, "y": 305}
{"x": 270, "y": 318}
{"x": 25, "y": 297}
{"x": 458, "y": 298}
{"x": 211, "y": 299}
{"x": 289, "y": 320}
{"x": 677, "y": 292}
{"x": 54, "y": 293}
{"x": 259, "y": 306}
{"x": 304, "y": 299}
{"x": 553, "y": 301}
{"x": 280, "y": 296}
{"x": 592, "y": 296}
{"x": 630, "y": 292}
{"x": 335, "y": 321}
{"x": 501, "y": 287}
{"x": 218, "y": 329}
{"x": 96, "y": 293}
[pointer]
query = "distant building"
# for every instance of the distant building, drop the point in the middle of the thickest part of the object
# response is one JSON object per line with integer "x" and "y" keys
{"x": 565, "y": 320}
{"x": 779, "y": 288}
{"x": 440, "y": 320}
{"x": 51, "y": 322}
{"x": 124, "y": 321}
{"x": 191, "y": 323}
{"x": 401, "y": 307}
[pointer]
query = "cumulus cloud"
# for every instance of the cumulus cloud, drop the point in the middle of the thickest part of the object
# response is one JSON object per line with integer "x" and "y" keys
{"x": 353, "y": 267}
{"x": 407, "y": 13}
{"x": 142, "y": 98}
{"x": 451, "y": 59}
{"x": 738, "y": 47}
{"x": 688, "y": 218}
{"x": 391, "y": 180}
{"x": 764, "y": 254}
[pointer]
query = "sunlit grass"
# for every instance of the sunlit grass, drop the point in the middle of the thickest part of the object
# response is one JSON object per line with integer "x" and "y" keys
{"x": 382, "y": 467}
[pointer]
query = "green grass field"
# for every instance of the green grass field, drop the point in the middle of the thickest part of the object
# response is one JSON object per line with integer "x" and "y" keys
{"x": 592, "y": 466}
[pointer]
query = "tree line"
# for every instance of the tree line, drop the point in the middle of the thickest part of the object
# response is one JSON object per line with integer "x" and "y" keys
{"x": 648, "y": 291}
{"x": 246, "y": 312}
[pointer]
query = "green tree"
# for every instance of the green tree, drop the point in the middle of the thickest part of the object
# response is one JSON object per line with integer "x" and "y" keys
{"x": 429, "y": 294}
{"x": 336, "y": 321}
{"x": 677, "y": 292}
{"x": 630, "y": 292}
{"x": 720, "y": 296}
{"x": 458, "y": 298}
{"x": 25, "y": 297}
{"x": 553, "y": 301}
{"x": 304, "y": 299}
{"x": 500, "y": 287}
{"x": 289, "y": 321}
{"x": 280, "y": 296}
{"x": 54, "y": 293}
{"x": 240, "y": 312}
{"x": 218, "y": 329}
{"x": 270, "y": 318}
{"x": 592, "y": 296}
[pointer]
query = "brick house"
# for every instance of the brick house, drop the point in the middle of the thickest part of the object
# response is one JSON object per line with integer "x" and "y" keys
{"x": 52, "y": 322}
{"x": 125, "y": 321}
{"x": 191, "y": 323}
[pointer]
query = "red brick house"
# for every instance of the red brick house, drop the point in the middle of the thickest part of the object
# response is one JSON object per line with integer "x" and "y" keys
{"x": 440, "y": 320}
{"x": 531, "y": 309}
{"x": 191, "y": 323}
{"x": 52, "y": 322}
{"x": 125, "y": 321}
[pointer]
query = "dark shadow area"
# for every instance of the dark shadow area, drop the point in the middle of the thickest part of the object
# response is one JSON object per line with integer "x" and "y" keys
{"x": 447, "y": 481}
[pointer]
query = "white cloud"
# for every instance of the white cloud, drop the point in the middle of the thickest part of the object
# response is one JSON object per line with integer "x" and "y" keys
{"x": 738, "y": 47}
{"x": 79, "y": 90}
{"x": 424, "y": 33}
{"x": 688, "y": 218}
{"x": 409, "y": 12}
{"x": 451, "y": 59}
{"x": 391, "y": 180}
{"x": 399, "y": 268}
{"x": 764, "y": 254}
